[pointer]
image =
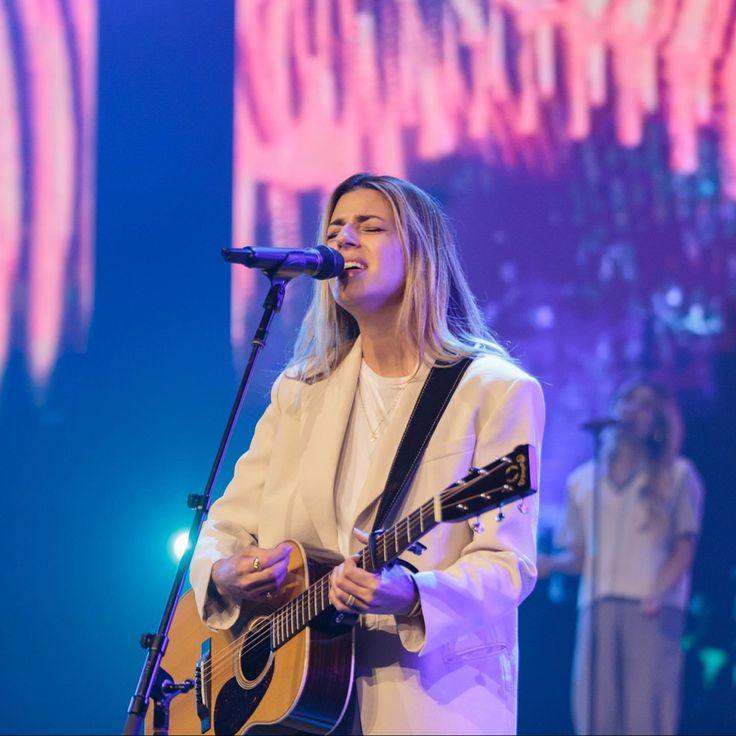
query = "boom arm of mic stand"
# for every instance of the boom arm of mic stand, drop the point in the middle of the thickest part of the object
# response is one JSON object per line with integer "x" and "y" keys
{"x": 152, "y": 678}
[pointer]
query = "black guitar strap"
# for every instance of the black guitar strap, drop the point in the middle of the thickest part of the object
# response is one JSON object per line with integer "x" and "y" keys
{"x": 431, "y": 404}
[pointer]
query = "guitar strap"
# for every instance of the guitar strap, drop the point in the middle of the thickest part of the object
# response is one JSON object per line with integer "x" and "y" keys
{"x": 431, "y": 404}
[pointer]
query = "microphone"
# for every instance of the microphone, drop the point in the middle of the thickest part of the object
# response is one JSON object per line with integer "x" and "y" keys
{"x": 598, "y": 425}
{"x": 319, "y": 263}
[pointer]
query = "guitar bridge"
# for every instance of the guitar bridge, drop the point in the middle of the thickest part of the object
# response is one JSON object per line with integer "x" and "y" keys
{"x": 203, "y": 685}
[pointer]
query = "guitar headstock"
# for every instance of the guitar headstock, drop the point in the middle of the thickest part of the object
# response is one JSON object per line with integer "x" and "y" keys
{"x": 482, "y": 489}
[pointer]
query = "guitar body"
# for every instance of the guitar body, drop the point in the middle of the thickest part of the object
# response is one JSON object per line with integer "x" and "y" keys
{"x": 245, "y": 688}
{"x": 286, "y": 666}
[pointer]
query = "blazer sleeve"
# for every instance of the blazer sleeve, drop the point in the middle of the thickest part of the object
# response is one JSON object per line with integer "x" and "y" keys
{"x": 221, "y": 536}
{"x": 496, "y": 571}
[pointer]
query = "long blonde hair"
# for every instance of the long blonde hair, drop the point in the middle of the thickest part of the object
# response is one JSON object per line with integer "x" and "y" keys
{"x": 438, "y": 313}
{"x": 662, "y": 447}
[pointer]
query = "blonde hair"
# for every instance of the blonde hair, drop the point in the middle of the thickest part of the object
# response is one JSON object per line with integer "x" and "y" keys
{"x": 438, "y": 313}
{"x": 662, "y": 447}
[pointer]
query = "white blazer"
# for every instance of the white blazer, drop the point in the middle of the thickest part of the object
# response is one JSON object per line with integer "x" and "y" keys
{"x": 454, "y": 668}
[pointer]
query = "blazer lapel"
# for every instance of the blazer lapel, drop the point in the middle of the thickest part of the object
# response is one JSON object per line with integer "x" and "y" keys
{"x": 384, "y": 454}
{"x": 324, "y": 422}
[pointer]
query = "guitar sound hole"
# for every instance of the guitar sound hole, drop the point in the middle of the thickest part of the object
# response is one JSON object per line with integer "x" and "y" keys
{"x": 256, "y": 651}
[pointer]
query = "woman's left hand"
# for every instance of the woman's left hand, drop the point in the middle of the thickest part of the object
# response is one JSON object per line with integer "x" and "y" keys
{"x": 651, "y": 605}
{"x": 354, "y": 590}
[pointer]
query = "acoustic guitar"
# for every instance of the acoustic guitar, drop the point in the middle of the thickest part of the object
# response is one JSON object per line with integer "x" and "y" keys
{"x": 287, "y": 665}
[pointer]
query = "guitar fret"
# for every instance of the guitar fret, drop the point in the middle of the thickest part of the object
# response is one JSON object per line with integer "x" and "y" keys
{"x": 410, "y": 532}
{"x": 477, "y": 492}
{"x": 421, "y": 528}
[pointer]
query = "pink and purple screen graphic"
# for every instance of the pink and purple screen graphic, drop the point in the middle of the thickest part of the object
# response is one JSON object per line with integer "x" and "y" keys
{"x": 327, "y": 88}
{"x": 584, "y": 149}
{"x": 612, "y": 110}
{"x": 48, "y": 59}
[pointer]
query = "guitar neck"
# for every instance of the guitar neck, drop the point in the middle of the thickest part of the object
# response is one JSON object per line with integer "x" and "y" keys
{"x": 502, "y": 481}
{"x": 388, "y": 544}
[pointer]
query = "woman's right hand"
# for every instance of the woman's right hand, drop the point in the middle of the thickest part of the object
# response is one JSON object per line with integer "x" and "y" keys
{"x": 252, "y": 573}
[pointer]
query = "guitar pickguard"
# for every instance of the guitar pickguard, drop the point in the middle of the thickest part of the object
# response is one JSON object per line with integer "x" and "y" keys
{"x": 234, "y": 706}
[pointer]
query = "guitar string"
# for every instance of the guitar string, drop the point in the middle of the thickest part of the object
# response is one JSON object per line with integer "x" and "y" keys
{"x": 302, "y": 600}
{"x": 223, "y": 661}
{"x": 303, "y": 597}
{"x": 263, "y": 634}
{"x": 263, "y": 631}
{"x": 281, "y": 616}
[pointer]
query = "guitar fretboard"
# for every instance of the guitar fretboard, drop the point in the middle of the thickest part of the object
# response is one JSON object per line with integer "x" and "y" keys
{"x": 296, "y": 615}
{"x": 502, "y": 481}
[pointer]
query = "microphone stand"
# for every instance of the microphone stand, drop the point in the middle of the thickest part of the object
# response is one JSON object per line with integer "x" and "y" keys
{"x": 154, "y": 682}
{"x": 597, "y": 431}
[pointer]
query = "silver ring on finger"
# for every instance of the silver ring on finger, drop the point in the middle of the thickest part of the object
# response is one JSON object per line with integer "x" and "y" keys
{"x": 269, "y": 595}
{"x": 350, "y": 601}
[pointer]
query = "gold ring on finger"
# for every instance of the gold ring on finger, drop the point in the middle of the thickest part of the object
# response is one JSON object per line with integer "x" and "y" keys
{"x": 256, "y": 563}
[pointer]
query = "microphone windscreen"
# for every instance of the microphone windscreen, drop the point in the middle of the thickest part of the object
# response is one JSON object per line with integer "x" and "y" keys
{"x": 333, "y": 264}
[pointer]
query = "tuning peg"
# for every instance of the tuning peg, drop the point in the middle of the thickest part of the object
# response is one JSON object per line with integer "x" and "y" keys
{"x": 523, "y": 508}
{"x": 473, "y": 470}
{"x": 478, "y": 527}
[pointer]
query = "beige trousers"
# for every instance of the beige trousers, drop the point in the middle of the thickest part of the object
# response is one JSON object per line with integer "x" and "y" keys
{"x": 638, "y": 673}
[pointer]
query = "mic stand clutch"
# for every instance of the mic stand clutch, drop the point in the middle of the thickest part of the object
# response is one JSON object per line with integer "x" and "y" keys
{"x": 154, "y": 682}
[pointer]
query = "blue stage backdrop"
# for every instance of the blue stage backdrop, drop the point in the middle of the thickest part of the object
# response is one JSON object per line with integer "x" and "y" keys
{"x": 587, "y": 159}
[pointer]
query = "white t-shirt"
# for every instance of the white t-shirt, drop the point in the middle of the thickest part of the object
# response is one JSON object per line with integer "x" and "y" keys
{"x": 376, "y": 398}
{"x": 631, "y": 552}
